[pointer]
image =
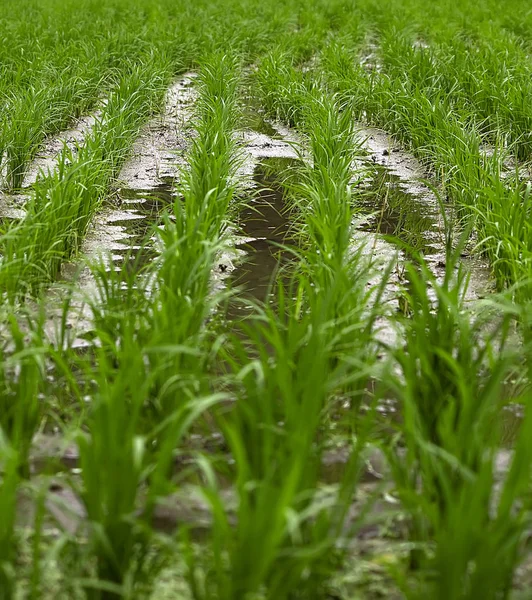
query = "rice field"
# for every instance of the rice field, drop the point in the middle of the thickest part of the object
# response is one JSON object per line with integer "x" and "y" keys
{"x": 266, "y": 300}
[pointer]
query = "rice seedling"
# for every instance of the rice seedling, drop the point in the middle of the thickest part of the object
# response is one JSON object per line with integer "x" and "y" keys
{"x": 21, "y": 406}
{"x": 8, "y": 494}
{"x": 450, "y": 390}
{"x": 143, "y": 361}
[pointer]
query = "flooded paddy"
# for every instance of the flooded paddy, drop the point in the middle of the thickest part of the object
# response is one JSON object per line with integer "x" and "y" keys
{"x": 396, "y": 217}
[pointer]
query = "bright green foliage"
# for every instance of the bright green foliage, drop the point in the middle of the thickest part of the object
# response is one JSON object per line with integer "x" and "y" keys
{"x": 177, "y": 404}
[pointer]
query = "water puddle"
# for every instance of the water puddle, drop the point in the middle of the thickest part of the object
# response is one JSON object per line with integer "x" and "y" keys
{"x": 265, "y": 224}
{"x": 395, "y": 212}
{"x": 254, "y": 120}
{"x": 133, "y": 224}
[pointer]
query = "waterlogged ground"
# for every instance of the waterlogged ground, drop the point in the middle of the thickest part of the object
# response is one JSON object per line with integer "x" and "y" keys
{"x": 400, "y": 217}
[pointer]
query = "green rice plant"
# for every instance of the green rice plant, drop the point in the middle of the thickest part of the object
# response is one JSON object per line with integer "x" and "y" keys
{"x": 479, "y": 541}
{"x": 29, "y": 112}
{"x": 124, "y": 469}
{"x": 181, "y": 292}
{"x": 55, "y": 221}
{"x": 334, "y": 261}
{"x": 21, "y": 376}
{"x": 122, "y": 301}
{"x": 285, "y": 366}
{"x": 326, "y": 206}
{"x": 504, "y": 213}
{"x": 451, "y": 83}
{"x": 196, "y": 234}
{"x": 451, "y": 371}
{"x": 112, "y": 463}
{"x": 283, "y": 381}
{"x": 9, "y": 481}
{"x": 209, "y": 184}
{"x": 281, "y": 87}
{"x": 482, "y": 540}
{"x": 64, "y": 91}
{"x": 421, "y": 111}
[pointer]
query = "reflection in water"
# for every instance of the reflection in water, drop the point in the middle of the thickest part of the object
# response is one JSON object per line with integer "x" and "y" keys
{"x": 142, "y": 211}
{"x": 254, "y": 120}
{"x": 266, "y": 223}
{"x": 399, "y": 213}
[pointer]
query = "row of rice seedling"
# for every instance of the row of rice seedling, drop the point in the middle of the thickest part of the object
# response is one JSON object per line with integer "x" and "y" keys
{"x": 63, "y": 203}
{"x": 293, "y": 376}
{"x": 165, "y": 342}
{"x": 474, "y": 403}
{"x": 285, "y": 367}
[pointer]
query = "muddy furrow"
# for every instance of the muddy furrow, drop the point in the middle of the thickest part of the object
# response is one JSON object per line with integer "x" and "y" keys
{"x": 265, "y": 224}
{"x": 254, "y": 255}
{"x": 145, "y": 188}
{"x": 405, "y": 207}
{"x": 45, "y": 163}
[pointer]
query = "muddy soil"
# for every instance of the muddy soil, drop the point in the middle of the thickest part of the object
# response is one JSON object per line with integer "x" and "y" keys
{"x": 120, "y": 232}
{"x": 406, "y": 208}
{"x": 394, "y": 205}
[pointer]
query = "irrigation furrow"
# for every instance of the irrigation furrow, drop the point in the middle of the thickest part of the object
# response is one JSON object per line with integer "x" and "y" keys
{"x": 145, "y": 188}
{"x": 263, "y": 222}
{"x": 406, "y": 208}
{"x": 147, "y": 180}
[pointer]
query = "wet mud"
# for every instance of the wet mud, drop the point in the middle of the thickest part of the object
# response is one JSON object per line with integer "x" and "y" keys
{"x": 131, "y": 226}
{"x": 265, "y": 225}
{"x": 147, "y": 181}
{"x": 158, "y": 153}
{"x": 46, "y": 160}
{"x": 404, "y": 207}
